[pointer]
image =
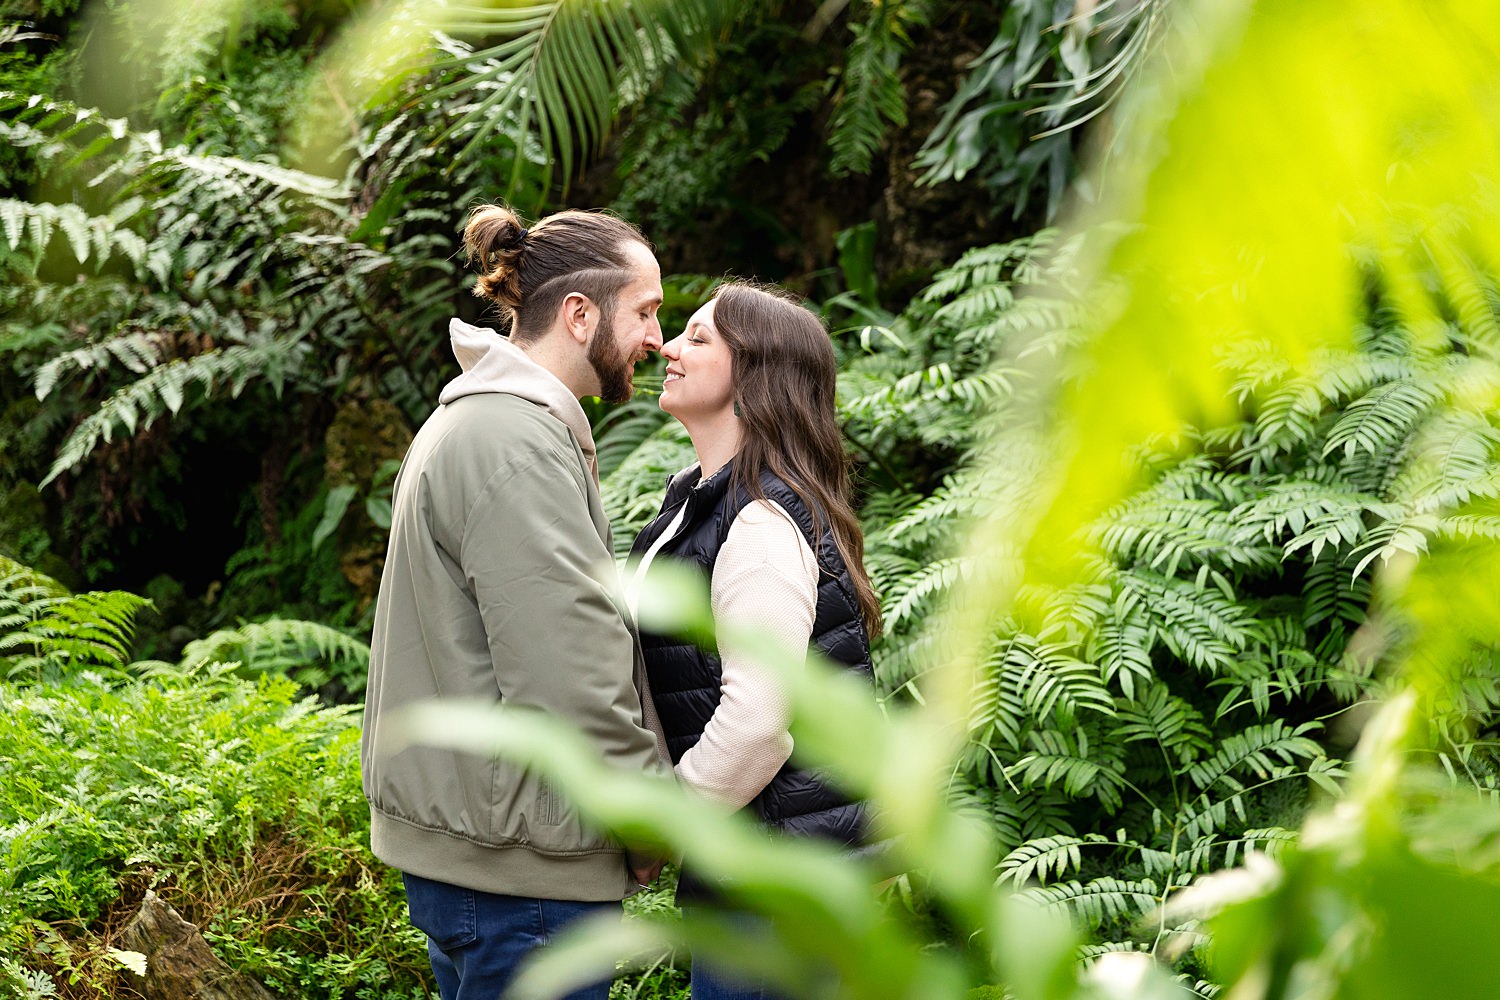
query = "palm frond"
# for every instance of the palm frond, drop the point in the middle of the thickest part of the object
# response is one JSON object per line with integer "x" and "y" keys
{"x": 559, "y": 66}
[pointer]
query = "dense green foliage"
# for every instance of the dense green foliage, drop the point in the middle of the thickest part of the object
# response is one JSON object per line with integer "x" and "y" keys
{"x": 236, "y": 800}
{"x": 224, "y": 280}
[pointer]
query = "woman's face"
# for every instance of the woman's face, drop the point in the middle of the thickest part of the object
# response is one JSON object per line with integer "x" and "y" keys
{"x": 699, "y": 381}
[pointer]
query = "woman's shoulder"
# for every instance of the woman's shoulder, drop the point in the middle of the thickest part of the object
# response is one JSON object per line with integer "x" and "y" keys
{"x": 764, "y": 534}
{"x": 789, "y": 502}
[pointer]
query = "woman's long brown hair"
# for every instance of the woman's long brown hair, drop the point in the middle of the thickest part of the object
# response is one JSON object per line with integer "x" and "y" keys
{"x": 784, "y": 376}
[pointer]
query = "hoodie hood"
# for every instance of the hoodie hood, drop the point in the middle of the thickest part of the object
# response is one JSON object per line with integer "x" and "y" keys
{"x": 492, "y": 363}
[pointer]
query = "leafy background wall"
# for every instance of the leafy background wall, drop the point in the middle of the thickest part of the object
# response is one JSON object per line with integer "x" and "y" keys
{"x": 229, "y": 256}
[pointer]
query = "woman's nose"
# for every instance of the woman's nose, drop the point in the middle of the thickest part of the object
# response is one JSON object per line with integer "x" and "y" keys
{"x": 669, "y": 349}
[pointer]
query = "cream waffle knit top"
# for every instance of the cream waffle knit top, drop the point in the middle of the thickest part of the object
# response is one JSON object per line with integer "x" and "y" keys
{"x": 765, "y": 578}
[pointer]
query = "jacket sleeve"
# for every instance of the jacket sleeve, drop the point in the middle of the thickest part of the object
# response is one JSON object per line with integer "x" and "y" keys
{"x": 541, "y": 579}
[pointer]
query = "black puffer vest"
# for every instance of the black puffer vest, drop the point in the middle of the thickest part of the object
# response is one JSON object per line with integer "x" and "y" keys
{"x": 685, "y": 679}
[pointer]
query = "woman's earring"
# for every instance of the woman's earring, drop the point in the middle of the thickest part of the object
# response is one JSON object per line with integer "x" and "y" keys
{"x": 737, "y": 411}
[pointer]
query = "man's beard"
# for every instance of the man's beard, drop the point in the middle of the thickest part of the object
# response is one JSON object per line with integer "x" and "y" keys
{"x": 614, "y": 368}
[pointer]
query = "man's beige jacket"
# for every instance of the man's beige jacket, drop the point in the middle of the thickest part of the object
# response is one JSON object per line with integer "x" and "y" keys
{"x": 492, "y": 591}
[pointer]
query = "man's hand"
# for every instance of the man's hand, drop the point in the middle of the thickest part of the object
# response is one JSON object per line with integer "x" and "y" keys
{"x": 644, "y": 868}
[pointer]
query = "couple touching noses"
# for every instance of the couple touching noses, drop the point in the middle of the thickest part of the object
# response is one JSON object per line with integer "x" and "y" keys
{"x": 490, "y": 590}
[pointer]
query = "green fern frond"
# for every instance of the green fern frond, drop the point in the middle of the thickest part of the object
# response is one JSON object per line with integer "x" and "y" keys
{"x": 279, "y": 645}
{"x": 871, "y": 97}
{"x": 1286, "y": 419}
{"x": 1203, "y": 627}
{"x": 1041, "y": 325}
{"x": 28, "y": 228}
{"x": 1162, "y": 718}
{"x": 624, "y": 430}
{"x": 1046, "y": 858}
{"x": 1315, "y": 513}
{"x": 164, "y": 389}
{"x": 1330, "y": 594}
{"x": 632, "y": 493}
{"x": 997, "y": 714}
{"x": 1069, "y": 762}
{"x": 1092, "y": 903}
{"x": 60, "y": 120}
{"x": 939, "y": 516}
{"x": 918, "y": 594}
{"x": 1260, "y": 752}
{"x": 1398, "y": 536}
{"x": 1455, "y": 463}
{"x": 1015, "y": 816}
{"x": 1348, "y": 375}
{"x": 94, "y": 629}
{"x": 1047, "y": 678}
{"x": 1166, "y": 533}
{"x": 969, "y": 285}
{"x": 135, "y": 351}
{"x": 1381, "y": 420}
{"x": 1470, "y": 527}
{"x": 20, "y": 583}
{"x": 1271, "y": 840}
{"x": 1120, "y": 641}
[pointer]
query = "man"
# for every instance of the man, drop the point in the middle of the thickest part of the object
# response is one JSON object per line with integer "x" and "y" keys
{"x": 489, "y": 592}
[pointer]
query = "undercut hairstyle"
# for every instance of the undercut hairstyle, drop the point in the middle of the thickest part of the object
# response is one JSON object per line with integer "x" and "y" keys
{"x": 783, "y": 374}
{"x": 528, "y": 272}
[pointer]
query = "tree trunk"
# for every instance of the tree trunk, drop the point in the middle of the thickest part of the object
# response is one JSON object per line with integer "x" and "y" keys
{"x": 179, "y": 963}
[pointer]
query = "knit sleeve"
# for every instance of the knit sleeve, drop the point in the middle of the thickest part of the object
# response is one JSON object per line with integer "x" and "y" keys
{"x": 765, "y": 578}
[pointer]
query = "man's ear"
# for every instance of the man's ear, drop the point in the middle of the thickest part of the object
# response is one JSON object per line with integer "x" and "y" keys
{"x": 579, "y": 316}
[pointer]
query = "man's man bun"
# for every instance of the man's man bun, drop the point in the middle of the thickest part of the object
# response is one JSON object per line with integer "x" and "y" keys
{"x": 495, "y": 239}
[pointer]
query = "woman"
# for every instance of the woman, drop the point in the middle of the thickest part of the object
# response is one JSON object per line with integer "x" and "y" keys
{"x": 766, "y": 514}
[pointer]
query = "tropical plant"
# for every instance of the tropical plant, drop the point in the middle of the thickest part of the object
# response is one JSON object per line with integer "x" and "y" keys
{"x": 171, "y": 304}
{"x": 1054, "y": 65}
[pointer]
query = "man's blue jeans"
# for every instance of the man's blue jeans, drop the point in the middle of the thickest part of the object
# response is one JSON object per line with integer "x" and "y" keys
{"x": 477, "y": 940}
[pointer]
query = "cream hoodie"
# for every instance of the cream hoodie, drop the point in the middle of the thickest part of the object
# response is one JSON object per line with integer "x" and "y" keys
{"x": 492, "y": 363}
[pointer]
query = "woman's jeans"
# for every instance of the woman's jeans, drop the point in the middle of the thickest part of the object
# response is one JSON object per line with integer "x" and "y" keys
{"x": 711, "y": 983}
{"x": 476, "y": 940}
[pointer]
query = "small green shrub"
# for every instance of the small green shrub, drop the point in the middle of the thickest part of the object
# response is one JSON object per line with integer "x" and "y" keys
{"x": 236, "y": 801}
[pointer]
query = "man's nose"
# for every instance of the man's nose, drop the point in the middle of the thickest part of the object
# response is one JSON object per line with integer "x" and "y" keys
{"x": 653, "y": 341}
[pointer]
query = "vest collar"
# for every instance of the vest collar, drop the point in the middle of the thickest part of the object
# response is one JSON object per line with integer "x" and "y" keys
{"x": 687, "y": 485}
